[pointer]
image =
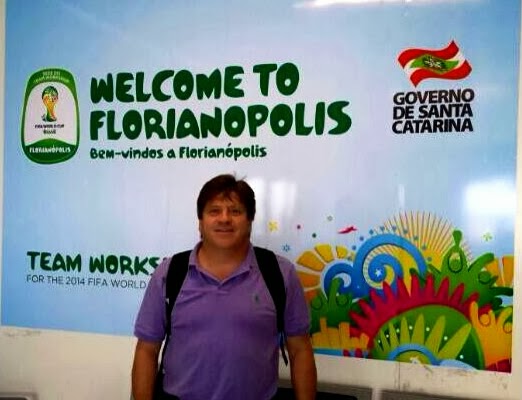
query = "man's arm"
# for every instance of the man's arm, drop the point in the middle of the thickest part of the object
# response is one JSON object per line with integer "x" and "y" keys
{"x": 144, "y": 369}
{"x": 302, "y": 367}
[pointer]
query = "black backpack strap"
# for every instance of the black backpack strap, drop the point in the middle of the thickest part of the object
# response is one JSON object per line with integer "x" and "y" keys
{"x": 176, "y": 274}
{"x": 269, "y": 267}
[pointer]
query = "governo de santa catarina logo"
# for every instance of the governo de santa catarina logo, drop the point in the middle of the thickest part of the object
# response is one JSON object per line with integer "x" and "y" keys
{"x": 50, "y": 118}
{"x": 447, "y": 63}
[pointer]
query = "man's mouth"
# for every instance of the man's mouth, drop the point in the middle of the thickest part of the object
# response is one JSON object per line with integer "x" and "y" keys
{"x": 224, "y": 230}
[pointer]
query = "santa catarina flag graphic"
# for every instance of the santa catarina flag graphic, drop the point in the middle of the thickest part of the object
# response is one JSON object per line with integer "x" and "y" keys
{"x": 447, "y": 63}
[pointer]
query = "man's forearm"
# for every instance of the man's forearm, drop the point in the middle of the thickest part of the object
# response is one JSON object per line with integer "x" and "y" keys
{"x": 304, "y": 375}
{"x": 144, "y": 371}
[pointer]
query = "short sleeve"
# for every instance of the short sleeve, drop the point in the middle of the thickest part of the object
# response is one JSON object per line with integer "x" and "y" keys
{"x": 151, "y": 321}
{"x": 297, "y": 315}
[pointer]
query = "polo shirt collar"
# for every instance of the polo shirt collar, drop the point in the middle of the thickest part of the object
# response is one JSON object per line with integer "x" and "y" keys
{"x": 246, "y": 265}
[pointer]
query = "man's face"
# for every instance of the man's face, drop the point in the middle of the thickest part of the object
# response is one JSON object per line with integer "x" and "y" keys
{"x": 224, "y": 223}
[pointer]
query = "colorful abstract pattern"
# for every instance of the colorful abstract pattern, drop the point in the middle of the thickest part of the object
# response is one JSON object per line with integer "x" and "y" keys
{"x": 411, "y": 292}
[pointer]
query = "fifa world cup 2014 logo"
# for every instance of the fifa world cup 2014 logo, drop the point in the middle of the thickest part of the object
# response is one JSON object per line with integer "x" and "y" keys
{"x": 49, "y": 98}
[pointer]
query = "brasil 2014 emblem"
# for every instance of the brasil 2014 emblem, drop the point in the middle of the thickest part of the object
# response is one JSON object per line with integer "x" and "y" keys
{"x": 50, "y": 118}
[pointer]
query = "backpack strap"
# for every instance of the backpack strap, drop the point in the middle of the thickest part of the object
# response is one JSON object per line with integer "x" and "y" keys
{"x": 269, "y": 267}
{"x": 178, "y": 268}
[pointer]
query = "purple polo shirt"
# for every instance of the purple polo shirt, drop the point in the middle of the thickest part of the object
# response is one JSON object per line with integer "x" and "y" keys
{"x": 224, "y": 343}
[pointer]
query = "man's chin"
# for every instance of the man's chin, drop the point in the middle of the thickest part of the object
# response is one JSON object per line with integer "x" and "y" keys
{"x": 228, "y": 244}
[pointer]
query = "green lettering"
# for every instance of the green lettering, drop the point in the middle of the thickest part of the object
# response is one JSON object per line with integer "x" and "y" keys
{"x": 320, "y": 112}
{"x": 232, "y": 82}
{"x": 111, "y": 264}
{"x": 152, "y": 120}
{"x": 112, "y": 134}
{"x": 235, "y": 120}
{"x": 171, "y": 122}
{"x": 139, "y": 266}
{"x": 96, "y": 123}
{"x": 126, "y": 265}
{"x": 300, "y": 128}
{"x": 281, "y": 119}
{"x": 102, "y": 89}
{"x": 74, "y": 264}
{"x": 97, "y": 264}
{"x": 132, "y": 124}
{"x": 208, "y": 86}
{"x": 44, "y": 261}
{"x": 287, "y": 79}
{"x": 257, "y": 116}
{"x": 58, "y": 262}
{"x": 183, "y": 84}
{"x": 335, "y": 112}
{"x": 141, "y": 96}
{"x": 264, "y": 71}
{"x": 33, "y": 255}
{"x": 153, "y": 262}
{"x": 211, "y": 123}
{"x": 157, "y": 82}
{"x": 123, "y": 87}
{"x": 187, "y": 125}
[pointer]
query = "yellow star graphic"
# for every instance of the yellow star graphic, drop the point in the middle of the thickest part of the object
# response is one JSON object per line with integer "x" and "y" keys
{"x": 273, "y": 226}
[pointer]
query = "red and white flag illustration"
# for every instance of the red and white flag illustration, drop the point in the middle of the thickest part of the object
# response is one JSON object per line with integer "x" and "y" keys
{"x": 448, "y": 63}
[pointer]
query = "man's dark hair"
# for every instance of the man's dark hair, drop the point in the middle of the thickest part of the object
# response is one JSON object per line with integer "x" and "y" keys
{"x": 226, "y": 185}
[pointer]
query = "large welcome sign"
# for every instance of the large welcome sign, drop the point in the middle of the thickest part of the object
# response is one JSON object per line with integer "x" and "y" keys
{"x": 169, "y": 86}
{"x": 382, "y": 154}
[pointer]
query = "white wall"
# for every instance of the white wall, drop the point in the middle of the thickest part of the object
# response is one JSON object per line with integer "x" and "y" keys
{"x": 65, "y": 365}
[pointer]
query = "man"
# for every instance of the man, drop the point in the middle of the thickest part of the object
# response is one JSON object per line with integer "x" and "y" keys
{"x": 224, "y": 339}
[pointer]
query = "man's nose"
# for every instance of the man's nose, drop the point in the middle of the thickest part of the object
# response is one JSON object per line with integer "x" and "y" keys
{"x": 225, "y": 215}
